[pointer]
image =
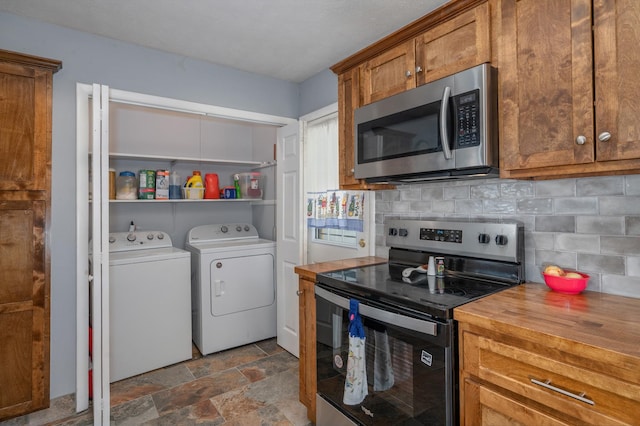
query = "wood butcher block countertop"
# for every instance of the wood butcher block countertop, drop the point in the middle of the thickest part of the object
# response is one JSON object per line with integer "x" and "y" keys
{"x": 309, "y": 271}
{"x": 598, "y": 326}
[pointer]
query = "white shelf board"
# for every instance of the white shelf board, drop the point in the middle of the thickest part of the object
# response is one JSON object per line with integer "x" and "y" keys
{"x": 140, "y": 157}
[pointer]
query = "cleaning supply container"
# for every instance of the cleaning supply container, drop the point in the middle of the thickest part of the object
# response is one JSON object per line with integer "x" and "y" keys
{"x": 194, "y": 188}
{"x": 250, "y": 185}
{"x": 211, "y": 186}
{"x": 147, "y": 190}
{"x": 126, "y": 186}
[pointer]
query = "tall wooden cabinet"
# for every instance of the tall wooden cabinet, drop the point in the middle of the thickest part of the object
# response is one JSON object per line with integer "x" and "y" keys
{"x": 452, "y": 38}
{"x": 569, "y": 87}
{"x": 25, "y": 175}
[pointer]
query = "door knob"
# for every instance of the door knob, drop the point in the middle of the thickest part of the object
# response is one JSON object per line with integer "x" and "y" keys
{"x": 362, "y": 242}
{"x": 581, "y": 140}
{"x": 418, "y": 69}
{"x": 604, "y": 136}
{"x": 408, "y": 73}
{"x": 299, "y": 292}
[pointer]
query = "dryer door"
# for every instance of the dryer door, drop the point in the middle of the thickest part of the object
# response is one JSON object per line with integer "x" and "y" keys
{"x": 242, "y": 283}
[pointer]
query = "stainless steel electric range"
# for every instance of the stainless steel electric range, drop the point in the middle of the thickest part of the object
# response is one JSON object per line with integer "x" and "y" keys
{"x": 410, "y": 355}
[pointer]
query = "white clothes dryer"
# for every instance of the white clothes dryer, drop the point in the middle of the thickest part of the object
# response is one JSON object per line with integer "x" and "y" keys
{"x": 233, "y": 288}
{"x": 149, "y": 303}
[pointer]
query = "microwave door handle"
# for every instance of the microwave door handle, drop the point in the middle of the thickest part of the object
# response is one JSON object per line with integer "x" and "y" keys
{"x": 444, "y": 109}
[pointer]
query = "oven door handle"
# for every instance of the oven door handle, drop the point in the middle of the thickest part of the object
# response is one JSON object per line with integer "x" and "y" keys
{"x": 410, "y": 323}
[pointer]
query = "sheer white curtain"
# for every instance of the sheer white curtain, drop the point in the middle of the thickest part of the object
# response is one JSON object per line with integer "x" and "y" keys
{"x": 321, "y": 154}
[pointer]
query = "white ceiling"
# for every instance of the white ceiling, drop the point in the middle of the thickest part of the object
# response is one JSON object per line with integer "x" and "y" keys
{"x": 286, "y": 39}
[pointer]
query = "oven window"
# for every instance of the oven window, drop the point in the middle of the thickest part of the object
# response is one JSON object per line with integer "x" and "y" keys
{"x": 406, "y": 373}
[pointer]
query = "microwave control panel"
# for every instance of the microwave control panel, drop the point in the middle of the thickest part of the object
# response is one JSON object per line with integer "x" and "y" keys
{"x": 467, "y": 118}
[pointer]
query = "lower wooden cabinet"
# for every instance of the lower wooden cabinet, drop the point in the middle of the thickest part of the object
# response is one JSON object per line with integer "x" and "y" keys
{"x": 307, "y": 334}
{"x": 512, "y": 381}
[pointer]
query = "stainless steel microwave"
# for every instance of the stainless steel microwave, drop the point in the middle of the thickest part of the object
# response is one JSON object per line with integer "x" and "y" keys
{"x": 444, "y": 129}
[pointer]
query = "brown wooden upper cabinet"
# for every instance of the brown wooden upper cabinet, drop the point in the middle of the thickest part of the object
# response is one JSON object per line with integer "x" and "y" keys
{"x": 569, "y": 87}
{"x": 456, "y": 44}
{"x": 25, "y": 175}
{"x": 454, "y": 37}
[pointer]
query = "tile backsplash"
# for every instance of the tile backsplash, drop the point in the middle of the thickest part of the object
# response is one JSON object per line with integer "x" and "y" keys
{"x": 588, "y": 224}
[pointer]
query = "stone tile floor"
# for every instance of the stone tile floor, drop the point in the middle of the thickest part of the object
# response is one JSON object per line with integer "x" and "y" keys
{"x": 256, "y": 384}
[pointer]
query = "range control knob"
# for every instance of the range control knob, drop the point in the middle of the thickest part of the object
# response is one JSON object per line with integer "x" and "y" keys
{"x": 131, "y": 237}
{"x": 393, "y": 232}
{"x": 403, "y": 232}
{"x": 239, "y": 228}
{"x": 501, "y": 240}
{"x": 112, "y": 239}
{"x": 224, "y": 229}
{"x": 484, "y": 238}
{"x": 161, "y": 236}
{"x": 149, "y": 236}
{"x": 247, "y": 228}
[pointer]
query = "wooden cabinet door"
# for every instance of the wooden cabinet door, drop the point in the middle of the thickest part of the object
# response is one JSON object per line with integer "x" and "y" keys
{"x": 616, "y": 61}
{"x": 546, "y": 83}
{"x": 455, "y": 45}
{"x": 24, "y": 308}
{"x": 307, "y": 333}
{"x": 25, "y": 127}
{"x": 391, "y": 72}
{"x": 348, "y": 101}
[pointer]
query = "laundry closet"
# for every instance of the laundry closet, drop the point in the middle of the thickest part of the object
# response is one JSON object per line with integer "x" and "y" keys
{"x": 130, "y": 133}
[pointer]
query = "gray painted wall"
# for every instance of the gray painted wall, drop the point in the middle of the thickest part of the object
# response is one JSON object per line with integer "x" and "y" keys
{"x": 589, "y": 224}
{"x": 91, "y": 59}
{"x": 318, "y": 91}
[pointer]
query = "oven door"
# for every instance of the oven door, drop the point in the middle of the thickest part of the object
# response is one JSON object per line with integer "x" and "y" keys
{"x": 409, "y": 365}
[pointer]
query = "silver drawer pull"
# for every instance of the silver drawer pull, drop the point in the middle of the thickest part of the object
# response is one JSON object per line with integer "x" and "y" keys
{"x": 547, "y": 384}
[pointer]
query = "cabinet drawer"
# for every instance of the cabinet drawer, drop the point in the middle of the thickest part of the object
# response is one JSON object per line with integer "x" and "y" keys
{"x": 485, "y": 406}
{"x": 573, "y": 390}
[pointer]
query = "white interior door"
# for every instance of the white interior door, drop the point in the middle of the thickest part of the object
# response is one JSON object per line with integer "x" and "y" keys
{"x": 92, "y": 287}
{"x": 289, "y": 229}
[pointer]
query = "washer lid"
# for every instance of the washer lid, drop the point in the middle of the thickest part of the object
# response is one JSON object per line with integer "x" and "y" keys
{"x": 148, "y": 255}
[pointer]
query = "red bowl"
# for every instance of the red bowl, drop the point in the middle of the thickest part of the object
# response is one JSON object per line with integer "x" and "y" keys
{"x": 566, "y": 285}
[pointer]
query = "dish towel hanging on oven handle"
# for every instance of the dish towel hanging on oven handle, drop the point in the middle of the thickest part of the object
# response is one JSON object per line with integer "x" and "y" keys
{"x": 355, "y": 385}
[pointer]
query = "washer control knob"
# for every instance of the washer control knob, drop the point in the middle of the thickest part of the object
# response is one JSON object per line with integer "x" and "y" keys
{"x": 247, "y": 228}
{"x": 239, "y": 228}
{"x": 161, "y": 236}
{"x": 224, "y": 229}
{"x": 501, "y": 240}
{"x": 484, "y": 238}
{"x": 131, "y": 237}
{"x": 149, "y": 237}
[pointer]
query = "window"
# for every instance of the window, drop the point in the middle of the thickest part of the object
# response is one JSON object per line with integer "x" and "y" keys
{"x": 321, "y": 172}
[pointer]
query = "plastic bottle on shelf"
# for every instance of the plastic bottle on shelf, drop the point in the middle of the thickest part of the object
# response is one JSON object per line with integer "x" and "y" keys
{"x": 211, "y": 187}
{"x": 236, "y": 183}
{"x": 195, "y": 186}
{"x": 174, "y": 186}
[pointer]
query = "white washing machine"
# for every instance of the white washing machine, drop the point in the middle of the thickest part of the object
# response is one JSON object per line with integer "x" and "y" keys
{"x": 233, "y": 286}
{"x": 149, "y": 303}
